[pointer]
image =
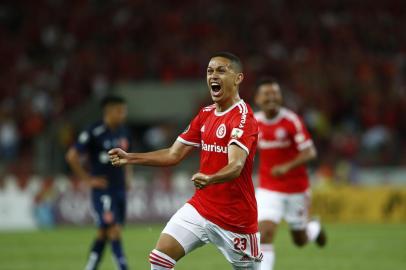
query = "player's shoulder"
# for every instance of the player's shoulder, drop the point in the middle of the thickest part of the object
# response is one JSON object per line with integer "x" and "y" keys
{"x": 208, "y": 108}
{"x": 96, "y": 129}
{"x": 245, "y": 108}
{"x": 206, "y": 111}
{"x": 89, "y": 132}
{"x": 243, "y": 114}
{"x": 288, "y": 113}
{"x": 259, "y": 116}
{"x": 291, "y": 117}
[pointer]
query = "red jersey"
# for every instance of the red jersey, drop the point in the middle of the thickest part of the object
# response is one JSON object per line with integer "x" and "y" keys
{"x": 280, "y": 140}
{"x": 230, "y": 205}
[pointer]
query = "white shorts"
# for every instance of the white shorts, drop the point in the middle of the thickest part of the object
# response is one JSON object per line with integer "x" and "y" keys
{"x": 292, "y": 207}
{"x": 192, "y": 230}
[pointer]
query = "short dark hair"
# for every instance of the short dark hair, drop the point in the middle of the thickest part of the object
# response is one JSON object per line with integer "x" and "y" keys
{"x": 265, "y": 80}
{"x": 234, "y": 59}
{"x": 111, "y": 100}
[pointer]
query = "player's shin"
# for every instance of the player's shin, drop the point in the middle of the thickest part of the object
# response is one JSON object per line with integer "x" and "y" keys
{"x": 96, "y": 254}
{"x": 117, "y": 250}
{"x": 161, "y": 261}
{"x": 268, "y": 259}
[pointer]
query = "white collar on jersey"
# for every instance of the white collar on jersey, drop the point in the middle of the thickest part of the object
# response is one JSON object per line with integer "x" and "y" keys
{"x": 272, "y": 120}
{"x": 216, "y": 113}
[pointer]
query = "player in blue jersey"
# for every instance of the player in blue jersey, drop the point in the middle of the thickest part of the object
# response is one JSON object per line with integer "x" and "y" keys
{"x": 108, "y": 183}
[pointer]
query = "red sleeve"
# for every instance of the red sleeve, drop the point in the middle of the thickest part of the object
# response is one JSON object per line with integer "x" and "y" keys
{"x": 300, "y": 135}
{"x": 192, "y": 134}
{"x": 244, "y": 133}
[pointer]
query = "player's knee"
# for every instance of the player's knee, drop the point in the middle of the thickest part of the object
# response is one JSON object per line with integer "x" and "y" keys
{"x": 266, "y": 235}
{"x": 114, "y": 233}
{"x": 267, "y": 230}
{"x": 102, "y": 234}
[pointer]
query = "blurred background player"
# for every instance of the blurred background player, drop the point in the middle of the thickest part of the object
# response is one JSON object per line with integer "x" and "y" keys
{"x": 285, "y": 147}
{"x": 223, "y": 210}
{"x": 108, "y": 183}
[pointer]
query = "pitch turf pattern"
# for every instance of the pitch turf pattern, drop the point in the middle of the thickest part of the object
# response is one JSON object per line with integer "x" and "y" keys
{"x": 361, "y": 247}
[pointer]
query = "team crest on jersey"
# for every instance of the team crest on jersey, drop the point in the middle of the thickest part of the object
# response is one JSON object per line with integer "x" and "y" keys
{"x": 280, "y": 133}
{"x": 221, "y": 131}
{"x": 236, "y": 133}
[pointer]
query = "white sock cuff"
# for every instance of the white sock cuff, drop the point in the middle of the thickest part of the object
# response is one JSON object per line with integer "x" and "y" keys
{"x": 159, "y": 258}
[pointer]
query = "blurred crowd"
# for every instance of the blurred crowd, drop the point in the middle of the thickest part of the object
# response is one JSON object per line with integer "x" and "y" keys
{"x": 341, "y": 64}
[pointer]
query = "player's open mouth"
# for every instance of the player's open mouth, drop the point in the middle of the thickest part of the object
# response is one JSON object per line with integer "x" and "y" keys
{"x": 215, "y": 88}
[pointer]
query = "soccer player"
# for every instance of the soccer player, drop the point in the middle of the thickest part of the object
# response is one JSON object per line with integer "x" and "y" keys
{"x": 223, "y": 210}
{"x": 284, "y": 147}
{"x": 108, "y": 183}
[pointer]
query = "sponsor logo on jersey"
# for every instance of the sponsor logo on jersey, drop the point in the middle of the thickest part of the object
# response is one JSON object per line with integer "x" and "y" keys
{"x": 236, "y": 133}
{"x": 243, "y": 111}
{"x": 221, "y": 131}
{"x": 243, "y": 120}
{"x": 214, "y": 148}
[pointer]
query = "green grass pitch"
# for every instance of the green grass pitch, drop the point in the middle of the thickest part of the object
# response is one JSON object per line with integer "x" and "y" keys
{"x": 360, "y": 247}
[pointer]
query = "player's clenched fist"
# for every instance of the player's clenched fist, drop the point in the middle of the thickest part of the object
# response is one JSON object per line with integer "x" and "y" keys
{"x": 279, "y": 170}
{"x": 201, "y": 180}
{"x": 118, "y": 157}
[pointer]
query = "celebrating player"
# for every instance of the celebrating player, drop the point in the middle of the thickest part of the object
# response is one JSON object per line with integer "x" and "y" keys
{"x": 223, "y": 210}
{"x": 107, "y": 181}
{"x": 285, "y": 147}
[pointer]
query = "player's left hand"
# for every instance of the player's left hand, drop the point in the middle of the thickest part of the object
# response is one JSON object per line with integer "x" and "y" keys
{"x": 201, "y": 180}
{"x": 108, "y": 217}
{"x": 279, "y": 170}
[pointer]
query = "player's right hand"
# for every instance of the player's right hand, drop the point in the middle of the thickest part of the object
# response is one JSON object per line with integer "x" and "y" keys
{"x": 97, "y": 182}
{"x": 118, "y": 157}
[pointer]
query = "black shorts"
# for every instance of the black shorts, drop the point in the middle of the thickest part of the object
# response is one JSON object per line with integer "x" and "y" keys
{"x": 109, "y": 201}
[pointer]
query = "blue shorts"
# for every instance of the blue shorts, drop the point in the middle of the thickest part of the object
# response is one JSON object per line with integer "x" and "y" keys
{"x": 105, "y": 201}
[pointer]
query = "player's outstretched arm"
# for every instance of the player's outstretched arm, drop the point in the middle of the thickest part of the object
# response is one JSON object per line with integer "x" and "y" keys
{"x": 306, "y": 155}
{"x": 236, "y": 161}
{"x": 164, "y": 157}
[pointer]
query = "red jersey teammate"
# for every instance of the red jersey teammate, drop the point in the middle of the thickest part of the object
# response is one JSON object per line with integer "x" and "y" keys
{"x": 285, "y": 146}
{"x": 223, "y": 209}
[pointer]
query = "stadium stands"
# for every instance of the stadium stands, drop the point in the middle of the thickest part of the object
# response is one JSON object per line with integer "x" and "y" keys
{"x": 347, "y": 80}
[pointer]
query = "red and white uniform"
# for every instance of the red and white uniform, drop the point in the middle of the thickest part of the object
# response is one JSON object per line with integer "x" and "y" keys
{"x": 224, "y": 214}
{"x": 230, "y": 205}
{"x": 280, "y": 140}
